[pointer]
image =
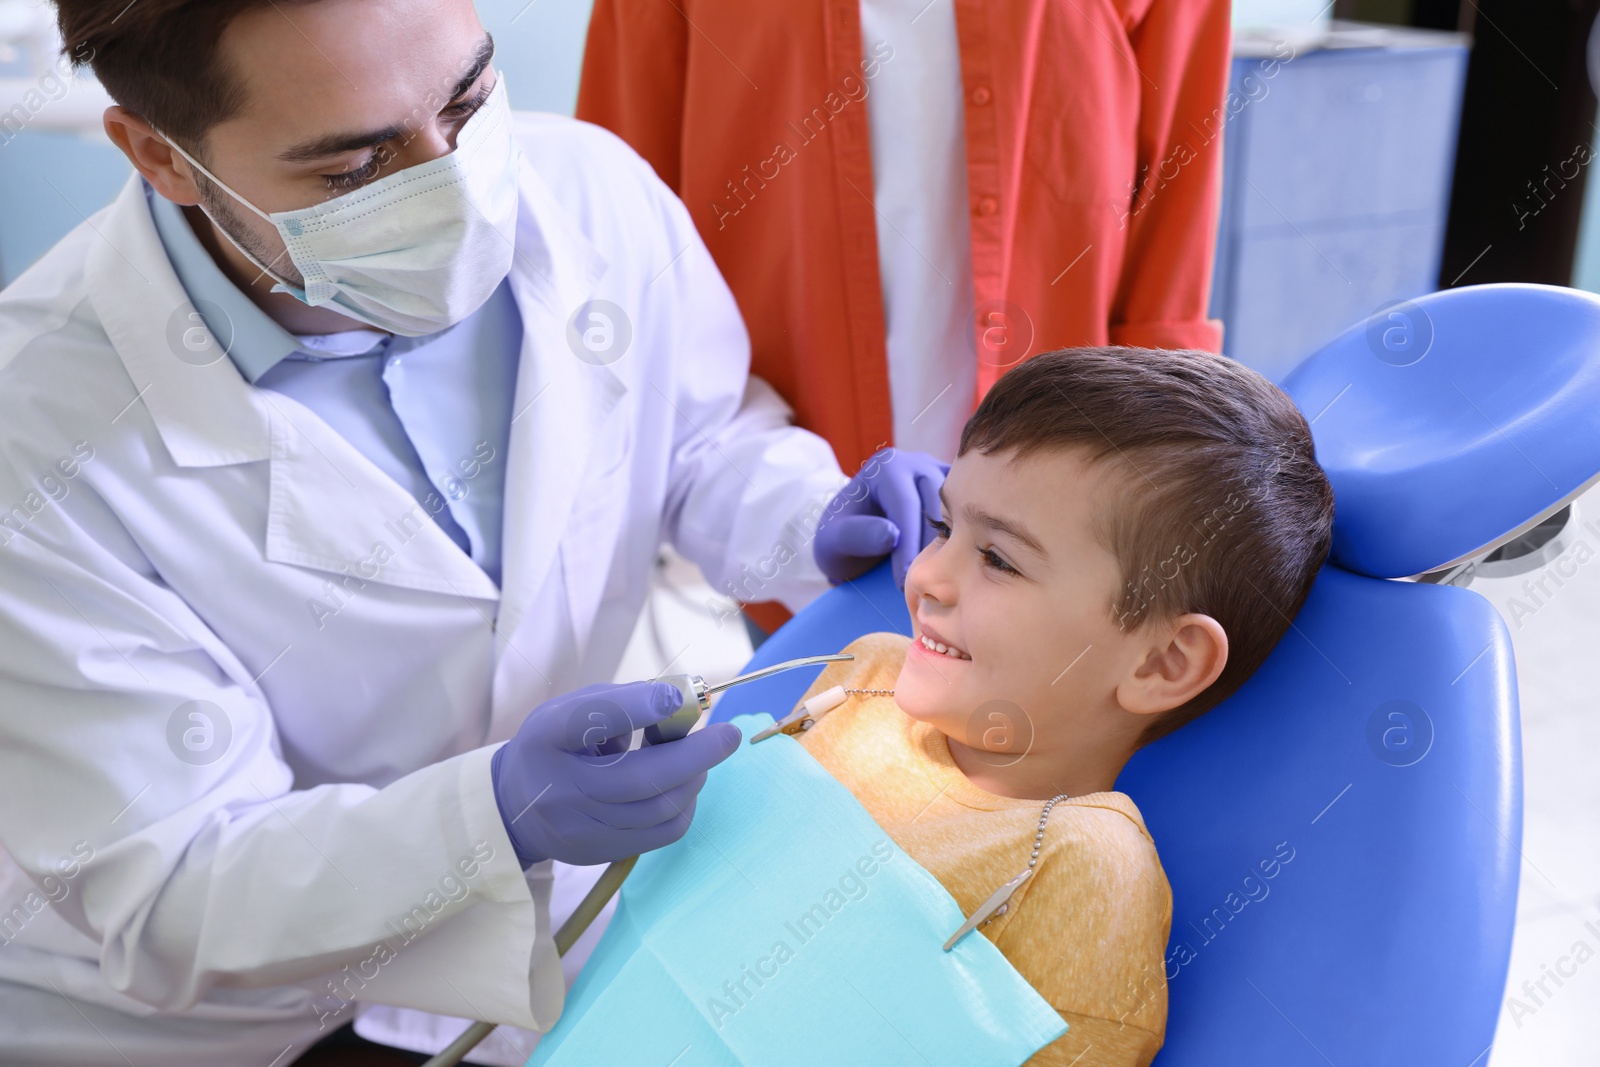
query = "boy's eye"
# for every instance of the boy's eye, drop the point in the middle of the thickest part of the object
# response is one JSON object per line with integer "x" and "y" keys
{"x": 992, "y": 558}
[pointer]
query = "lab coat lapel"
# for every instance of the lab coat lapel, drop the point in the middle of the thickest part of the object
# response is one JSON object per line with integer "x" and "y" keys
{"x": 205, "y": 413}
{"x": 330, "y": 508}
{"x": 334, "y": 510}
{"x": 561, "y": 401}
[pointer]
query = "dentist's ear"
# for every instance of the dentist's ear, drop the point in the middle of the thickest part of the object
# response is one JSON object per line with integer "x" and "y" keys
{"x": 166, "y": 171}
{"x": 1183, "y": 657}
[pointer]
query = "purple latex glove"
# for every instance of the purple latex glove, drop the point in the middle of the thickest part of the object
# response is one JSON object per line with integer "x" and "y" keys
{"x": 884, "y": 508}
{"x": 568, "y": 788}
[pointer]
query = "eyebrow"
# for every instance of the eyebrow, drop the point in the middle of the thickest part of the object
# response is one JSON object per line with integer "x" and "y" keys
{"x": 994, "y": 522}
{"x": 334, "y": 144}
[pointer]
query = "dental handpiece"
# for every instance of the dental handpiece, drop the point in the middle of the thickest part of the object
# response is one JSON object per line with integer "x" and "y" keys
{"x": 697, "y": 701}
{"x": 697, "y": 695}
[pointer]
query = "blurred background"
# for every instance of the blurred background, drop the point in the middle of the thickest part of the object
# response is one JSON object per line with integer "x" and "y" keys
{"x": 1375, "y": 150}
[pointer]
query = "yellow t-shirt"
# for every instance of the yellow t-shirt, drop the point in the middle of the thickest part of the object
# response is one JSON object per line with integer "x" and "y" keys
{"x": 1088, "y": 929}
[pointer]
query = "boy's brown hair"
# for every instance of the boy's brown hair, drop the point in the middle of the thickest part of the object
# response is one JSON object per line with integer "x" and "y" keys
{"x": 1225, "y": 510}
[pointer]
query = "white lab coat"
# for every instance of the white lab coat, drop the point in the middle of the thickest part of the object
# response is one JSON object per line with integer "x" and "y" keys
{"x": 174, "y": 535}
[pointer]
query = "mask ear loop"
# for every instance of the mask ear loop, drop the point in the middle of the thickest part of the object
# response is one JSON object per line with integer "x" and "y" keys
{"x": 220, "y": 184}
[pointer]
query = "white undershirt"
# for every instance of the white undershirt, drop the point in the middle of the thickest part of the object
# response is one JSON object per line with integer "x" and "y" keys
{"x": 919, "y": 185}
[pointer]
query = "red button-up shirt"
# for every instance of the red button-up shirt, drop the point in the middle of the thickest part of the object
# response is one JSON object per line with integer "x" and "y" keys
{"x": 1094, "y": 152}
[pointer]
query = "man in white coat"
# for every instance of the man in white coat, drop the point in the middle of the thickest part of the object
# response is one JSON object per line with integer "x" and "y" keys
{"x": 334, "y": 455}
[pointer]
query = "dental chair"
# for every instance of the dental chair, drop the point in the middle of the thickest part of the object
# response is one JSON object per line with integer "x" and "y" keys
{"x": 1372, "y": 766}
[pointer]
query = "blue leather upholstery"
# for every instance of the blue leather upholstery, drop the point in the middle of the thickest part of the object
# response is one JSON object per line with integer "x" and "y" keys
{"x": 1373, "y": 764}
{"x": 1448, "y": 422}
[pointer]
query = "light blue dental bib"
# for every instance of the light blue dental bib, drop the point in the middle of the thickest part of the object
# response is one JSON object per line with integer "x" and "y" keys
{"x": 787, "y": 928}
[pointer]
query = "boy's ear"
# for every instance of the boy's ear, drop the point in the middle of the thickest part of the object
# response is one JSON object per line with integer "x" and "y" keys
{"x": 1183, "y": 657}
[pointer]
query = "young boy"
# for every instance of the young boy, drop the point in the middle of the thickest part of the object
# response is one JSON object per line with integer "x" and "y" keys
{"x": 1125, "y": 535}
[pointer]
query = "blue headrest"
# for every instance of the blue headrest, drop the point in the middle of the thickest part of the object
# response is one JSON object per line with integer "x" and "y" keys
{"x": 1342, "y": 835}
{"x": 1449, "y": 423}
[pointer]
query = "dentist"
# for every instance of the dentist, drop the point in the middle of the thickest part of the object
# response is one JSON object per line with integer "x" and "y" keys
{"x": 334, "y": 455}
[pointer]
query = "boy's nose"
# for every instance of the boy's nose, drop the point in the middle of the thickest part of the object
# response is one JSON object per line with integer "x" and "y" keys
{"x": 930, "y": 575}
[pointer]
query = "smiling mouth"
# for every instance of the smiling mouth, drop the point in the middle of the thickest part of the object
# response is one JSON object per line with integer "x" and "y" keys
{"x": 946, "y": 650}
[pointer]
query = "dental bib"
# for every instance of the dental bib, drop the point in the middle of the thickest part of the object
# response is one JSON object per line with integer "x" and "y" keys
{"x": 787, "y": 928}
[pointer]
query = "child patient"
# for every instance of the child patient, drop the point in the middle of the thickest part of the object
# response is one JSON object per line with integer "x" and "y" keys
{"x": 1124, "y": 536}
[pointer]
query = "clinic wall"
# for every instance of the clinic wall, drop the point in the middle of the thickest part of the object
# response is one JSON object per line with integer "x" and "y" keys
{"x": 1256, "y": 14}
{"x": 52, "y": 179}
{"x": 1336, "y": 182}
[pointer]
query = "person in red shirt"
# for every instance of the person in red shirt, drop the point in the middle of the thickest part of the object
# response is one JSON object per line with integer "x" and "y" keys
{"x": 909, "y": 196}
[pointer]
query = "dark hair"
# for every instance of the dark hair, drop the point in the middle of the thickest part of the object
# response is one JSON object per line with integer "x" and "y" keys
{"x": 159, "y": 58}
{"x": 1224, "y": 512}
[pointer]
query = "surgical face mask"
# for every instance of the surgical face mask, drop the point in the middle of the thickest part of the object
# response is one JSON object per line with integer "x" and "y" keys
{"x": 413, "y": 252}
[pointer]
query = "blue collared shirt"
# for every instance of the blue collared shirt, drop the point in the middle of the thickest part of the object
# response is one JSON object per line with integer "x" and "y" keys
{"x": 432, "y": 412}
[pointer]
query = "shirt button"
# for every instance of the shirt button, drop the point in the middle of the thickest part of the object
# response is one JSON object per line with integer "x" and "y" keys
{"x": 981, "y": 96}
{"x": 988, "y": 206}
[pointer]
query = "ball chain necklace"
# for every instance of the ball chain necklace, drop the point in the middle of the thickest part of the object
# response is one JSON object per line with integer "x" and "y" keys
{"x": 805, "y": 717}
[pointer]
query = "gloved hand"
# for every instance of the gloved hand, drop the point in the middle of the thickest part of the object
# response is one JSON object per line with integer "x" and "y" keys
{"x": 568, "y": 788}
{"x": 883, "y": 508}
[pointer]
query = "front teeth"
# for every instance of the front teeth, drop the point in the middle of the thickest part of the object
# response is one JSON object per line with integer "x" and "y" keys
{"x": 934, "y": 646}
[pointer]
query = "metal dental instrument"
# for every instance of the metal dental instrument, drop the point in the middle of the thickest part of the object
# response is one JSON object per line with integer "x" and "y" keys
{"x": 697, "y": 701}
{"x": 697, "y": 695}
{"x": 806, "y": 715}
{"x": 995, "y": 905}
